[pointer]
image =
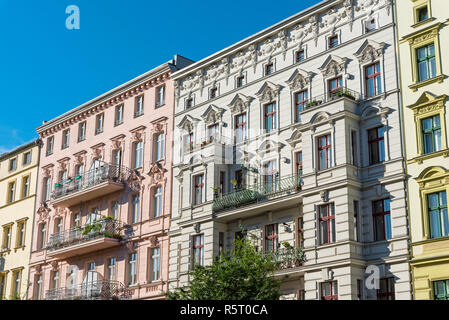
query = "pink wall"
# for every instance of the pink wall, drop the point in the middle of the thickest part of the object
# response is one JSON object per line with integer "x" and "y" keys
{"x": 149, "y": 232}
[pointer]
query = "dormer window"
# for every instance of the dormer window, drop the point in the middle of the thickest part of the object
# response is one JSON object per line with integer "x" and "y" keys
{"x": 370, "y": 25}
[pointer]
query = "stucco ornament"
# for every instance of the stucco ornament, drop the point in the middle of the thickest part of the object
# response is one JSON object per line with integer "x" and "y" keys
{"x": 299, "y": 79}
{"x": 134, "y": 181}
{"x": 268, "y": 92}
{"x": 370, "y": 51}
{"x": 298, "y": 33}
{"x": 333, "y": 66}
{"x": 268, "y": 47}
{"x": 314, "y": 27}
{"x": 156, "y": 173}
{"x": 43, "y": 211}
{"x": 239, "y": 103}
{"x": 331, "y": 19}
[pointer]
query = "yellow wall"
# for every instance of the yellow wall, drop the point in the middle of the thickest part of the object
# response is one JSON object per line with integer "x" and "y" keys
{"x": 427, "y": 173}
{"x": 16, "y": 257}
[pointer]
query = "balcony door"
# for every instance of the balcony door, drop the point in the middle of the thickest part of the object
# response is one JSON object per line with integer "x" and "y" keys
{"x": 95, "y": 171}
{"x": 72, "y": 282}
{"x": 91, "y": 288}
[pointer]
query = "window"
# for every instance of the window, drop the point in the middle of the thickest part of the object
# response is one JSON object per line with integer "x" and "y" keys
{"x": 198, "y": 189}
{"x": 138, "y": 110}
{"x": 26, "y": 158}
{"x": 269, "y": 68}
{"x": 332, "y": 41}
{"x": 324, "y": 152}
{"x": 427, "y": 67}
{"x": 189, "y": 103}
{"x": 299, "y": 163}
{"x": 50, "y": 142}
{"x": 111, "y": 268}
{"x": 25, "y": 186}
{"x": 213, "y": 92}
{"x": 2, "y": 285}
{"x": 422, "y": 14}
{"x": 114, "y": 209}
{"x": 16, "y": 276}
{"x": 386, "y": 291}
{"x": 301, "y": 99}
{"x": 20, "y": 237}
{"x": 356, "y": 220}
{"x": 213, "y": 132}
{"x": 160, "y": 146}
{"x": 138, "y": 154}
{"x": 240, "y": 81}
{"x": 160, "y": 96}
{"x": 382, "y": 220}
{"x": 6, "y": 237}
{"x": 373, "y": 81}
{"x": 13, "y": 164}
{"x": 55, "y": 280}
{"x": 118, "y": 115}
{"x": 240, "y": 127}
{"x": 239, "y": 179}
{"x": 299, "y": 56}
{"x": 269, "y": 175}
{"x": 370, "y": 25}
{"x": 58, "y": 225}
{"x": 354, "y": 147}
{"x": 135, "y": 208}
{"x": 65, "y": 139}
{"x": 376, "y": 145}
{"x": 189, "y": 141}
{"x": 438, "y": 215}
{"x": 271, "y": 238}
{"x": 431, "y": 134}
{"x": 42, "y": 235}
{"x": 441, "y": 290}
{"x": 270, "y": 116}
{"x": 329, "y": 290}
{"x": 38, "y": 288}
{"x": 99, "y": 123}
{"x": 47, "y": 188}
{"x": 76, "y": 220}
{"x": 359, "y": 289}
{"x": 157, "y": 202}
{"x": 198, "y": 249}
{"x": 220, "y": 243}
{"x": 82, "y": 131}
{"x": 335, "y": 86}
{"x": 327, "y": 223}
{"x": 155, "y": 264}
{"x": 117, "y": 157}
{"x": 300, "y": 232}
{"x": 62, "y": 176}
{"x": 11, "y": 191}
{"x": 132, "y": 269}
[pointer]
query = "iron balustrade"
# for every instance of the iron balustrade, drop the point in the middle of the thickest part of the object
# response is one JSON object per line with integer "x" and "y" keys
{"x": 218, "y": 139}
{"x": 103, "y": 228}
{"x": 93, "y": 177}
{"x": 91, "y": 290}
{"x": 257, "y": 193}
{"x": 286, "y": 258}
{"x": 331, "y": 96}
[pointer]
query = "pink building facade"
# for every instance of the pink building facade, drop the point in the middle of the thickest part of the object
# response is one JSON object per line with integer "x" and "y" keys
{"x": 104, "y": 194}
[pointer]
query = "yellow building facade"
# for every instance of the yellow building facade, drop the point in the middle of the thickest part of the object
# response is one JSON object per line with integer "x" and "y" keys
{"x": 423, "y": 32}
{"x": 18, "y": 177}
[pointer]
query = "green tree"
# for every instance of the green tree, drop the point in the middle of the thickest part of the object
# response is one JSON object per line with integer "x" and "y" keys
{"x": 241, "y": 274}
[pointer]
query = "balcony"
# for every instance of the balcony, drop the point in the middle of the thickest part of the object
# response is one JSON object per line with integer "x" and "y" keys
{"x": 219, "y": 147}
{"x": 98, "y": 235}
{"x": 94, "y": 290}
{"x": 258, "y": 193}
{"x": 332, "y": 96}
{"x": 105, "y": 179}
{"x": 286, "y": 258}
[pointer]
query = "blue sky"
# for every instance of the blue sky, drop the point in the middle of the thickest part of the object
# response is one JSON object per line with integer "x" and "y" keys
{"x": 47, "y": 69}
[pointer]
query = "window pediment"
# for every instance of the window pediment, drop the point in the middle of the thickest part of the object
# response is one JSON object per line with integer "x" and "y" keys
{"x": 188, "y": 123}
{"x": 428, "y": 103}
{"x": 433, "y": 177}
{"x": 239, "y": 103}
{"x": 320, "y": 117}
{"x": 212, "y": 114}
{"x": 333, "y": 66}
{"x": 370, "y": 51}
{"x": 268, "y": 92}
{"x": 299, "y": 79}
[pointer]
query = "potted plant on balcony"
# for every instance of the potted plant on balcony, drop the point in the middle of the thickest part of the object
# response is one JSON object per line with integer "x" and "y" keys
{"x": 345, "y": 93}
{"x": 78, "y": 177}
{"x": 286, "y": 244}
{"x": 57, "y": 185}
{"x": 234, "y": 183}
{"x": 215, "y": 189}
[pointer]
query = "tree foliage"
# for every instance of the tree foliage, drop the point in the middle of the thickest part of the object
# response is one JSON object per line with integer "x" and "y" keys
{"x": 241, "y": 274}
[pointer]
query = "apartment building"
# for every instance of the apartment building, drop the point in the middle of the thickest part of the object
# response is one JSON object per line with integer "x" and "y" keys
{"x": 18, "y": 181}
{"x": 104, "y": 194}
{"x": 291, "y": 137}
{"x": 424, "y": 52}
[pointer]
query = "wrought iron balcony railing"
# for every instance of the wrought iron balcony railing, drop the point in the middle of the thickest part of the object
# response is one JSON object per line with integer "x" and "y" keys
{"x": 93, "y": 177}
{"x": 190, "y": 147}
{"x": 92, "y": 290}
{"x": 104, "y": 228}
{"x": 257, "y": 193}
{"x": 286, "y": 258}
{"x": 334, "y": 95}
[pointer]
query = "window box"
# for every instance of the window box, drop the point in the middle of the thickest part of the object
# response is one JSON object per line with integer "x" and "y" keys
{"x": 78, "y": 177}
{"x": 57, "y": 185}
{"x": 345, "y": 93}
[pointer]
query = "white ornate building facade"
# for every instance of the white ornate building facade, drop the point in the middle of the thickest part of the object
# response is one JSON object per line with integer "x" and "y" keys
{"x": 292, "y": 137}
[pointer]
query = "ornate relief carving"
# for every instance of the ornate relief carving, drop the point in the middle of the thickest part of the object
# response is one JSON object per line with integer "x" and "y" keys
{"x": 188, "y": 123}
{"x": 156, "y": 173}
{"x": 268, "y": 92}
{"x": 239, "y": 103}
{"x": 154, "y": 241}
{"x": 299, "y": 79}
{"x": 54, "y": 265}
{"x": 134, "y": 181}
{"x": 370, "y": 51}
{"x": 298, "y": 33}
{"x": 212, "y": 114}
{"x": 432, "y": 34}
{"x": 333, "y": 66}
{"x": 43, "y": 211}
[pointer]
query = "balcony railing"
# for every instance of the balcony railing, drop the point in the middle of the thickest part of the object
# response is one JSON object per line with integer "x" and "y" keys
{"x": 190, "y": 147}
{"x": 104, "y": 228}
{"x": 93, "y": 177}
{"x": 286, "y": 258}
{"x": 331, "y": 96}
{"x": 93, "y": 290}
{"x": 257, "y": 193}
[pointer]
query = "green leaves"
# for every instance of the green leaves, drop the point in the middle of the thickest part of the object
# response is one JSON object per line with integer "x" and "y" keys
{"x": 242, "y": 274}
